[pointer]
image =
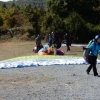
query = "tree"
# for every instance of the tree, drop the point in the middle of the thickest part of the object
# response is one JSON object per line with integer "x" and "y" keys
{"x": 8, "y": 16}
{"x": 1, "y": 21}
{"x": 34, "y": 16}
{"x": 88, "y": 9}
{"x": 52, "y": 22}
{"x": 4, "y": 5}
{"x": 77, "y": 28}
{"x": 58, "y": 7}
{"x": 13, "y": 5}
{"x": 11, "y": 22}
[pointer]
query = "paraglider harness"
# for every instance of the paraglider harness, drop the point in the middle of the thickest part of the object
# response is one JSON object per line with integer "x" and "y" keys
{"x": 87, "y": 51}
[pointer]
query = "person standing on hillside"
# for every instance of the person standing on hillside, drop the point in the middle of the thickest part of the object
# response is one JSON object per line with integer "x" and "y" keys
{"x": 50, "y": 40}
{"x": 38, "y": 42}
{"x": 56, "y": 42}
{"x": 68, "y": 41}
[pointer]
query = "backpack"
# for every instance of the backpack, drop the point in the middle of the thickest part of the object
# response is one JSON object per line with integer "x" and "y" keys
{"x": 86, "y": 51}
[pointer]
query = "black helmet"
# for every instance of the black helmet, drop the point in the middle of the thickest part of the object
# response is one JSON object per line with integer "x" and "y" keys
{"x": 97, "y": 37}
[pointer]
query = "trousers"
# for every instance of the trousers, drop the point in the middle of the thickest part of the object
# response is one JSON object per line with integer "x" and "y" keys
{"x": 92, "y": 62}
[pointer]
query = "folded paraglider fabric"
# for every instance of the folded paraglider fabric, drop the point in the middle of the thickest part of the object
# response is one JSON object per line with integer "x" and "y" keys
{"x": 38, "y": 60}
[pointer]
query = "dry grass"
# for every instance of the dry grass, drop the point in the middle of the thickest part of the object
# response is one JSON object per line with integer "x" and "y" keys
{"x": 14, "y": 49}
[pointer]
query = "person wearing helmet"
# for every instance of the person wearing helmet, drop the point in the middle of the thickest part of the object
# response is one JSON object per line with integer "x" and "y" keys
{"x": 94, "y": 47}
{"x": 55, "y": 41}
{"x": 50, "y": 40}
{"x": 67, "y": 38}
{"x": 97, "y": 36}
{"x": 38, "y": 42}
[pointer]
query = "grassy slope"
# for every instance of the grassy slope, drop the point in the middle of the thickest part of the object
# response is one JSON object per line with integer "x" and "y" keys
{"x": 15, "y": 49}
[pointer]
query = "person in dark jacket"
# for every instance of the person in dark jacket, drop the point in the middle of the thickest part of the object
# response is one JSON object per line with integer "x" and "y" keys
{"x": 55, "y": 41}
{"x": 38, "y": 42}
{"x": 67, "y": 38}
{"x": 94, "y": 48}
{"x": 50, "y": 40}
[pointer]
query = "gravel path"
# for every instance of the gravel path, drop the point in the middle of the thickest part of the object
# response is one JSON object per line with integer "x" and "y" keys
{"x": 68, "y": 82}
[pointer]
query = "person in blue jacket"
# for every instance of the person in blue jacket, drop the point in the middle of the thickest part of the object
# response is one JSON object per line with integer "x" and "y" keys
{"x": 94, "y": 48}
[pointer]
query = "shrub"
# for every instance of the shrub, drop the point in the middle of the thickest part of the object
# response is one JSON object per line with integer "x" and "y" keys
{"x": 96, "y": 29}
{"x": 1, "y": 21}
{"x": 51, "y": 23}
{"x": 10, "y": 22}
{"x": 76, "y": 27}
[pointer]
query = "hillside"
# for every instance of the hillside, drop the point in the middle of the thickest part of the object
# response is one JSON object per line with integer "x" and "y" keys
{"x": 32, "y": 17}
{"x": 38, "y": 3}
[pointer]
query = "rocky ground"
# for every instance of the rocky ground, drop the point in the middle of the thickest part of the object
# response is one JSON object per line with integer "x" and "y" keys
{"x": 66, "y": 82}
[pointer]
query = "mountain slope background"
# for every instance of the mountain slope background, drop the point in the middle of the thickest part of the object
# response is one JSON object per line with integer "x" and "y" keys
{"x": 25, "y": 19}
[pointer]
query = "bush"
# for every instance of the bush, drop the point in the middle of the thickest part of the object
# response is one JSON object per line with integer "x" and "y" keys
{"x": 25, "y": 36}
{"x": 51, "y": 23}
{"x": 1, "y": 21}
{"x": 10, "y": 22}
{"x": 91, "y": 33}
{"x": 96, "y": 29}
{"x": 5, "y": 34}
{"x": 77, "y": 28}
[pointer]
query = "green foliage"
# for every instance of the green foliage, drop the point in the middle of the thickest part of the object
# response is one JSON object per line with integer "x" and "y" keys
{"x": 76, "y": 27}
{"x": 88, "y": 9}
{"x": 57, "y": 7}
{"x": 96, "y": 29}
{"x": 35, "y": 17}
{"x": 4, "y": 5}
{"x": 8, "y": 15}
{"x": 5, "y": 34}
{"x": 80, "y": 18}
{"x": 10, "y": 22}
{"x": 51, "y": 23}
{"x": 1, "y": 21}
